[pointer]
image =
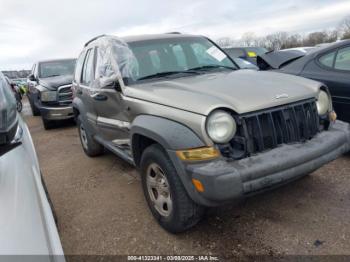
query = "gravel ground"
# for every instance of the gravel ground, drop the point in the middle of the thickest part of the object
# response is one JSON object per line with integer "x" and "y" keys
{"x": 101, "y": 209}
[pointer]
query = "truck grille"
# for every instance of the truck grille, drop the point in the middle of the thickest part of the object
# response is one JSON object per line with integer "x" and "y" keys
{"x": 65, "y": 95}
{"x": 263, "y": 130}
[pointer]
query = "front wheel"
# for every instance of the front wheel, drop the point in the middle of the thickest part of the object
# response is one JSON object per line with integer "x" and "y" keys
{"x": 165, "y": 194}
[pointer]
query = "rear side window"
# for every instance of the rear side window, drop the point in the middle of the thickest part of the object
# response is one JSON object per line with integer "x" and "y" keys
{"x": 328, "y": 59}
{"x": 342, "y": 61}
{"x": 88, "y": 69}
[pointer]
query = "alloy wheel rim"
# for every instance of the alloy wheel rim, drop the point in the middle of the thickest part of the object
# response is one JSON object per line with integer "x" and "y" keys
{"x": 19, "y": 106}
{"x": 83, "y": 137}
{"x": 159, "y": 190}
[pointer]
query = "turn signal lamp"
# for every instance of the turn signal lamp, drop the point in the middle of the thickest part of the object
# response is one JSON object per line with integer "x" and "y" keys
{"x": 333, "y": 116}
{"x": 198, "y": 154}
{"x": 198, "y": 185}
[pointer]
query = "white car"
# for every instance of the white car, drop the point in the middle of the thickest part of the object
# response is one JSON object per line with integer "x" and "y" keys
{"x": 27, "y": 225}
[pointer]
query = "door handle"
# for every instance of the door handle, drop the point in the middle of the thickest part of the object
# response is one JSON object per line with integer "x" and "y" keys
{"x": 99, "y": 97}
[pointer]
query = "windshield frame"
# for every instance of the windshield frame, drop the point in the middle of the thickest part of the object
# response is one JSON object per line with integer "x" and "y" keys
{"x": 184, "y": 73}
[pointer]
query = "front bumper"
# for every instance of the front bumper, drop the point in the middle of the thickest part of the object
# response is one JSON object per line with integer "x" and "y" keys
{"x": 225, "y": 181}
{"x": 56, "y": 113}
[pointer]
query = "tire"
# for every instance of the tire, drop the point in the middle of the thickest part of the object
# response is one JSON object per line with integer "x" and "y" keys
{"x": 178, "y": 212}
{"x": 19, "y": 106}
{"x": 89, "y": 144}
{"x": 35, "y": 110}
{"x": 48, "y": 124}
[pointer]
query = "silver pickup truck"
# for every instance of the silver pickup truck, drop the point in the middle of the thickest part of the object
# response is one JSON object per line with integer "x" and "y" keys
{"x": 201, "y": 131}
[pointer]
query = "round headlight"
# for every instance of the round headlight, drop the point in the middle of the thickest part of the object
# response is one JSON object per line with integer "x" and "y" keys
{"x": 323, "y": 103}
{"x": 221, "y": 127}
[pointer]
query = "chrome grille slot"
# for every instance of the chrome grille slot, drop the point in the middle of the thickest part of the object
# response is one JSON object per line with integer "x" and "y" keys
{"x": 65, "y": 95}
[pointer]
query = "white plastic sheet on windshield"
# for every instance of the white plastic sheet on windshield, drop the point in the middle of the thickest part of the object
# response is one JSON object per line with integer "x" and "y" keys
{"x": 115, "y": 60}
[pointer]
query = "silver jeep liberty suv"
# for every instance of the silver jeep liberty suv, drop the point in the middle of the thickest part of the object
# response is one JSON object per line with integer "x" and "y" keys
{"x": 201, "y": 131}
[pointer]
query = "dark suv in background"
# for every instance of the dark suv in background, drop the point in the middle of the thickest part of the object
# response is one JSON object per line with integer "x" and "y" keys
{"x": 50, "y": 90}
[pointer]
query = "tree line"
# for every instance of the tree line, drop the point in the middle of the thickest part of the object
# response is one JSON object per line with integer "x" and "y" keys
{"x": 283, "y": 40}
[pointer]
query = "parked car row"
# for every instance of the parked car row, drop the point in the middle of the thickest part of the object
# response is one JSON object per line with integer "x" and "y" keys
{"x": 201, "y": 131}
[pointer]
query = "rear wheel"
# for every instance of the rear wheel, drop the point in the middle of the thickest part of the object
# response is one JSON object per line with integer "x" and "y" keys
{"x": 89, "y": 144}
{"x": 165, "y": 194}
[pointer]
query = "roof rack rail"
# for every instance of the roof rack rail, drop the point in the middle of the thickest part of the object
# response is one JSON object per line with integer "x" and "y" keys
{"x": 174, "y": 33}
{"x": 93, "y": 39}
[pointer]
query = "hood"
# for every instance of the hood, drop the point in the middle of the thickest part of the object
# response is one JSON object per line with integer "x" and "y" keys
{"x": 277, "y": 59}
{"x": 241, "y": 91}
{"x": 52, "y": 83}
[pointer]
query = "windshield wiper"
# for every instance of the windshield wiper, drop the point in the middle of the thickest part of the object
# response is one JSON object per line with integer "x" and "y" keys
{"x": 52, "y": 76}
{"x": 211, "y": 67}
{"x": 164, "y": 74}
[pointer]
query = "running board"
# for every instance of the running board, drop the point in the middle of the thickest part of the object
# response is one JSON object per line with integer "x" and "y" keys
{"x": 122, "y": 142}
{"x": 116, "y": 150}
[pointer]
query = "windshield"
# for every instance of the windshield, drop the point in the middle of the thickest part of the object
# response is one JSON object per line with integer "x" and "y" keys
{"x": 257, "y": 50}
{"x": 56, "y": 68}
{"x": 244, "y": 64}
{"x": 176, "y": 56}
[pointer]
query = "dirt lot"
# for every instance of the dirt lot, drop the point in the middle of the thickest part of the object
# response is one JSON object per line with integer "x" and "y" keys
{"x": 101, "y": 209}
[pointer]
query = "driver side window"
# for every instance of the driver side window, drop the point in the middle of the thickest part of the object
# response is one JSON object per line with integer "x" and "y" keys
{"x": 88, "y": 69}
{"x": 78, "y": 67}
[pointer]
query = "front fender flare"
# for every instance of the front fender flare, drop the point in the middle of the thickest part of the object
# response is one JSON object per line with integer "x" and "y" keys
{"x": 168, "y": 133}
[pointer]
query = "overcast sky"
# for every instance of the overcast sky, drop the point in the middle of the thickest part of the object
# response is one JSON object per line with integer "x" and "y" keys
{"x": 43, "y": 29}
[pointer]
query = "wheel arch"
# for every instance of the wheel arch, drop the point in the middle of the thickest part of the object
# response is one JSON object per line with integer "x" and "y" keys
{"x": 171, "y": 135}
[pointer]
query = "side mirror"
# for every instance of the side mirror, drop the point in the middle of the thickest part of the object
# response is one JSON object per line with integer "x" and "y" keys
{"x": 116, "y": 86}
{"x": 111, "y": 85}
{"x": 31, "y": 77}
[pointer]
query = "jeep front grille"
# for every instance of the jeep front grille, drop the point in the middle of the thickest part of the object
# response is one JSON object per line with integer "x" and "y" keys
{"x": 267, "y": 129}
{"x": 65, "y": 95}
